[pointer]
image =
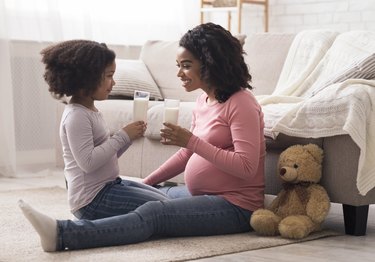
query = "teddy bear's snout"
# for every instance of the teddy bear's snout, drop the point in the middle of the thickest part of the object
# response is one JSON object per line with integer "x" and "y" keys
{"x": 288, "y": 173}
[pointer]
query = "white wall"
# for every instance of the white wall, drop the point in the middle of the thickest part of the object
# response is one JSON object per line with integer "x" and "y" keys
{"x": 292, "y": 16}
{"x": 340, "y": 15}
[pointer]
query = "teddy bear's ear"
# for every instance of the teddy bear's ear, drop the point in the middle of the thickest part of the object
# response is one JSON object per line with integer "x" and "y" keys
{"x": 315, "y": 151}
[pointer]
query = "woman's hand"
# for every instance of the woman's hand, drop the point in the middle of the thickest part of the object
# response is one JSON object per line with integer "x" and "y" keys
{"x": 135, "y": 130}
{"x": 175, "y": 135}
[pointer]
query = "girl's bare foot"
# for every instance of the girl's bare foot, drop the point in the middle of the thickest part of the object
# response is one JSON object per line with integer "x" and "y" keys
{"x": 44, "y": 225}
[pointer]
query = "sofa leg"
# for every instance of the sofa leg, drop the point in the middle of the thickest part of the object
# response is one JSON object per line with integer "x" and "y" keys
{"x": 355, "y": 219}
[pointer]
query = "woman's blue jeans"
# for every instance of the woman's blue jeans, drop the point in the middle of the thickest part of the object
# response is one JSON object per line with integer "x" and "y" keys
{"x": 175, "y": 217}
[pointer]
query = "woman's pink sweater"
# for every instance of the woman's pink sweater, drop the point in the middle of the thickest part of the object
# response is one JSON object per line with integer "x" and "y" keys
{"x": 225, "y": 155}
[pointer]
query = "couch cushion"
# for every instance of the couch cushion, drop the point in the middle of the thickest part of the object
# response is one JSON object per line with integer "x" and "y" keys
{"x": 266, "y": 54}
{"x": 363, "y": 68}
{"x": 160, "y": 59}
{"x": 133, "y": 75}
{"x": 282, "y": 142}
{"x": 119, "y": 113}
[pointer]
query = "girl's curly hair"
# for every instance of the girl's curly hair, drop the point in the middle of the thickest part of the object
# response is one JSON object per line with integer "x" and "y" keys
{"x": 221, "y": 56}
{"x": 75, "y": 65}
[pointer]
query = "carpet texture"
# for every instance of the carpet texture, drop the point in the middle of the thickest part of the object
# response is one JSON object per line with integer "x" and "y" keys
{"x": 19, "y": 241}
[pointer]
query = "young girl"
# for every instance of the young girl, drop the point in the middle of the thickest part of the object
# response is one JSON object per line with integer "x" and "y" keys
{"x": 83, "y": 70}
{"x": 222, "y": 156}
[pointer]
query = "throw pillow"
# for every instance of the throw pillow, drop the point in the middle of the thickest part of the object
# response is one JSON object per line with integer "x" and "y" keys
{"x": 160, "y": 58}
{"x": 133, "y": 75}
{"x": 362, "y": 69}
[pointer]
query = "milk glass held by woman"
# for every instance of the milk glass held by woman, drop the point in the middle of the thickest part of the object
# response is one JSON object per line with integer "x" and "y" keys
{"x": 222, "y": 157}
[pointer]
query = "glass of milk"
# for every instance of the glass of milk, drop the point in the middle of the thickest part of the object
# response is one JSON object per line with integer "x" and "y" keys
{"x": 171, "y": 108}
{"x": 140, "y": 105}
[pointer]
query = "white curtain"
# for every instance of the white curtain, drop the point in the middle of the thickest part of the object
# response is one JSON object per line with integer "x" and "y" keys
{"x": 7, "y": 139}
{"x": 27, "y": 116}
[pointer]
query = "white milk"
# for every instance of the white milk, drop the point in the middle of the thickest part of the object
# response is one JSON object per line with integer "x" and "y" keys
{"x": 171, "y": 115}
{"x": 140, "y": 107}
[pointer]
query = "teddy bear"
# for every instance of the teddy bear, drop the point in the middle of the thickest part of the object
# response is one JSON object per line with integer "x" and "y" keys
{"x": 302, "y": 205}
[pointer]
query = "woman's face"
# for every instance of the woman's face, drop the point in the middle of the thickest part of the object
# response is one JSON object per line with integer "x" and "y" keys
{"x": 189, "y": 70}
{"x": 105, "y": 87}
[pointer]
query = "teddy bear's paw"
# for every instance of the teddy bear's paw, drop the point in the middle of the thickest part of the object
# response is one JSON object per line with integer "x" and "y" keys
{"x": 296, "y": 227}
{"x": 265, "y": 222}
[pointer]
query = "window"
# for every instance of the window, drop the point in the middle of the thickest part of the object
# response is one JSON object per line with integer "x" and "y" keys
{"x": 110, "y": 21}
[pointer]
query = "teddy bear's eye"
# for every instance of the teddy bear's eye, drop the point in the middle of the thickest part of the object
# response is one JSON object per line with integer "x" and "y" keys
{"x": 295, "y": 166}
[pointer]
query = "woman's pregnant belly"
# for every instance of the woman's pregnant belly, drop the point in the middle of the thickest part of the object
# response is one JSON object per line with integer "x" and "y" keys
{"x": 202, "y": 177}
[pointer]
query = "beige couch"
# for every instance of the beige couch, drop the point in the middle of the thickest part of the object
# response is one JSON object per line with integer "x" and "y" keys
{"x": 266, "y": 54}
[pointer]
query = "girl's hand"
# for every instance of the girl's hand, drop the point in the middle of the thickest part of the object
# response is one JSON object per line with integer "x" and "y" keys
{"x": 175, "y": 135}
{"x": 135, "y": 130}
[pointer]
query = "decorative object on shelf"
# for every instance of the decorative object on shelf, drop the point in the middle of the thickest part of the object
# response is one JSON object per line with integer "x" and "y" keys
{"x": 221, "y": 3}
{"x": 230, "y": 6}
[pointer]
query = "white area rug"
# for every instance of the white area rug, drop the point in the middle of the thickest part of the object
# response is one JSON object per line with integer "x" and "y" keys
{"x": 19, "y": 241}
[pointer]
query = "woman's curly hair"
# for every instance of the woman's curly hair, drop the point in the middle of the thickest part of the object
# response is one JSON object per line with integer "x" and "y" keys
{"x": 75, "y": 65}
{"x": 221, "y": 56}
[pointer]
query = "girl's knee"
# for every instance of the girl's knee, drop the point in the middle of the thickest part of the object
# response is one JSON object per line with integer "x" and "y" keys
{"x": 151, "y": 207}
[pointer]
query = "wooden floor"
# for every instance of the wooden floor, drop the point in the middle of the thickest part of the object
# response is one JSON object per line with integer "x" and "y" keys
{"x": 340, "y": 248}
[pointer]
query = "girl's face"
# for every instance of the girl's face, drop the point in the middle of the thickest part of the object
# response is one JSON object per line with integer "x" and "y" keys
{"x": 189, "y": 71}
{"x": 105, "y": 87}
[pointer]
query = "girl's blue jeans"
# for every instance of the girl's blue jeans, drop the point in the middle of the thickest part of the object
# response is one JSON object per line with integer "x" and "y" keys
{"x": 119, "y": 197}
{"x": 179, "y": 215}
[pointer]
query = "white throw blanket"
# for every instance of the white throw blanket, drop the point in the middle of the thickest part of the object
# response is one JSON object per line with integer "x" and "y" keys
{"x": 300, "y": 106}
